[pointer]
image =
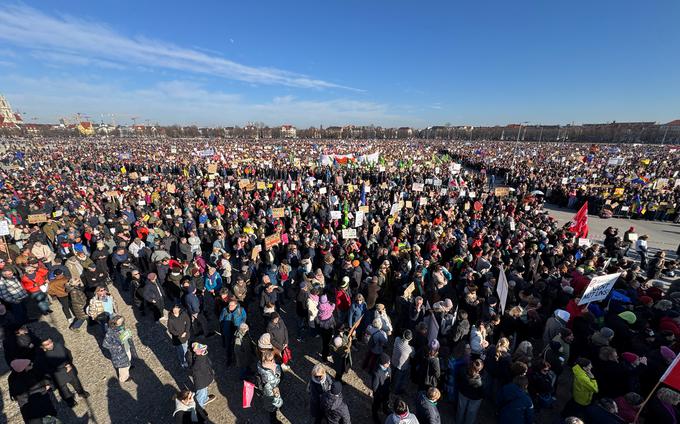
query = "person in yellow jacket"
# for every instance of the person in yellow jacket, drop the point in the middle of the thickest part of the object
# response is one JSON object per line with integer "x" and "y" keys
{"x": 585, "y": 385}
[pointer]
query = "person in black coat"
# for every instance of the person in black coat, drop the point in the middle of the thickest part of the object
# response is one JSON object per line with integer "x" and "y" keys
{"x": 380, "y": 387}
{"x": 187, "y": 411}
{"x": 426, "y": 406}
{"x": 153, "y": 296}
{"x": 55, "y": 360}
{"x": 179, "y": 327}
{"x": 202, "y": 372}
{"x": 334, "y": 407}
{"x": 31, "y": 390}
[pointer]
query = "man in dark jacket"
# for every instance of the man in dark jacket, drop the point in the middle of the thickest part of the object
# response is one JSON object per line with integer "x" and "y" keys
{"x": 279, "y": 333}
{"x": 55, "y": 360}
{"x": 334, "y": 407}
{"x": 31, "y": 390}
{"x": 426, "y": 406}
{"x": 202, "y": 372}
{"x": 380, "y": 387}
{"x": 153, "y": 296}
{"x": 179, "y": 327}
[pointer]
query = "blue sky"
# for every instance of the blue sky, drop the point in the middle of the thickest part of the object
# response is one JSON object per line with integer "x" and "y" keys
{"x": 333, "y": 62}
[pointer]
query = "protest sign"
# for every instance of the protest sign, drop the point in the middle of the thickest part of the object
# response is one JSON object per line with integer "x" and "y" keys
{"x": 4, "y": 228}
{"x": 502, "y": 191}
{"x": 37, "y": 218}
{"x": 395, "y": 208}
{"x": 278, "y": 212}
{"x": 349, "y": 233}
{"x": 171, "y": 188}
{"x": 322, "y": 190}
{"x": 256, "y": 252}
{"x": 358, "y": 219}
{"x": 261, "y": 185}
{"x": 437, "y": 182}
{"x": 598, "y": 288}
{"x": 336, "y": 215}
{"x": 417, "y": 187}
{"x": 584, "y": 242}
{"x": 364, "y": 209}
{"x": 615, "y": 161}
{"x": 422, "y": 201}
{"x": 271, "y": 241}
{"x": 243, "y": 183}
{"x": 212, "y": 168}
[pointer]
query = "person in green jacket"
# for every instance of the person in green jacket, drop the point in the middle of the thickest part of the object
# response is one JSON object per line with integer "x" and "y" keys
{"x": 583, "y": 389}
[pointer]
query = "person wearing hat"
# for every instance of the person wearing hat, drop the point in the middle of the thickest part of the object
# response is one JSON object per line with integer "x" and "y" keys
{"x": 179, "y": 327}
{"x": 343, "y": 301}
{"x": 30, "y": 388}
{"x": 334, "y": 407}
{"x": 244, "y": 351}
{"x": 622, "y": 325}
{"x": 201, "y": 371}
{"x": 555, "y": 324}
{"x": 402, "y": 353}
{"x": 381, "y": 379}
{"x": 13, "y": 294}
{"x": 279, "y": 336}
{"x": 118, "y": 341}
{"x": 55, "y": 360}
{"x": 153, "y": 296}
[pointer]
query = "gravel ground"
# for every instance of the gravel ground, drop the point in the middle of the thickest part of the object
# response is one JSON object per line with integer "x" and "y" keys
{"x": 157, "y": 374}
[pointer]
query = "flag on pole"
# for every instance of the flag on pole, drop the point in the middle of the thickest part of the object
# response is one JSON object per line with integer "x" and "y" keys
{"x": 502, "y": 289}
{"x": 671, "y": 377}
{"x": 579, "y": 224}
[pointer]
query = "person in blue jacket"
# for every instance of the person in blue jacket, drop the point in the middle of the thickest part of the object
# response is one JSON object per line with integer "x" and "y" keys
{"x": 213, "y": 281}
{"x": 514, "y": 402}
{"x": 231, "y": 318}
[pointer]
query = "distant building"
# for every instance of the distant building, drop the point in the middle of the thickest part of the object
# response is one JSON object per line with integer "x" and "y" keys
{"x": 288, "y": 131}
{"x": 405, "y": 132}
{"x": 8, "y": 118}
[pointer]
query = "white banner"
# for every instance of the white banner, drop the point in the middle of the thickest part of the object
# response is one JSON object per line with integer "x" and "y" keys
{"x": 599, "y": 288}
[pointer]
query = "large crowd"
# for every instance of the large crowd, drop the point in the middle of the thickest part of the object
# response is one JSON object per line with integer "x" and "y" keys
{"x": 385, "y": 256}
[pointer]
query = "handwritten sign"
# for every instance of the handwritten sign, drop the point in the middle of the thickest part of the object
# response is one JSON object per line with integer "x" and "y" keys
{"x": 4, "y": 228}
{"x": 336, "y": 215}
{"x": 358, "y": 219}
{"x": 417, "y": 187}
{"x": 278, "y": 212}
{"x": 599, "y": 288}
{"x": 502, "y": 191}
{"x": 243, "y": 183}
{"x": 171, "y": 188}
{"x": 261, "y": 185}
{"x": 37, "y": 218}
{"x": 349, "y": 233}
{"x": 212, "y": 168}
{"x": 364, "y": 209}
{"x": 272, "y": 241}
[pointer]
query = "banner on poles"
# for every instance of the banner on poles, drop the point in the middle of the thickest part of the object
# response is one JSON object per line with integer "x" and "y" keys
{"x": 599, "y": 288}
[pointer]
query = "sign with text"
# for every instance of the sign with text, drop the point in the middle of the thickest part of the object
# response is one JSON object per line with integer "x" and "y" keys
{"x": 349, "y": 233}
{"x": 37, "y": 218}
{"x": 598, "y": 288}
{"x": 271, "y": 241}
{"x": 417, "y": 187}
{"x": 278, "y": 212}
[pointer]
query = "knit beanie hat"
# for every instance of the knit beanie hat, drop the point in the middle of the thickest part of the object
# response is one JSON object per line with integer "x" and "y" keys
{"x": 628, "y": 316}
{"x": 199, "y": 349}
{"x": 19, "y": 365}
{"x": 629, "y": 357}
{"x": 265, "y": 341}
{"x": 667, "y": 353}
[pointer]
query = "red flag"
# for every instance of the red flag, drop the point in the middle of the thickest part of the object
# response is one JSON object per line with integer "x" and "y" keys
{"x": 579, "y": 224}
{"x": 671, "y": 377}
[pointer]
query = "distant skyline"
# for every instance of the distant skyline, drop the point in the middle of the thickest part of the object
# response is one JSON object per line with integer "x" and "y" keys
{"x": 310, "y": 63}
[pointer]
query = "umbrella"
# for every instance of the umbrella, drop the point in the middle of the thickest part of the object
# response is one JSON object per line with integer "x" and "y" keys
{"x": 538, "y": 193}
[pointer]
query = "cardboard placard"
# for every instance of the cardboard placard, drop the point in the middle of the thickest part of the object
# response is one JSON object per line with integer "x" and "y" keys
{"x": 336, "y": 215}
{"x": 417, "y": 187}
{"x": 171, "y": 188}
{"x": 364, "y": 209}
{"x": 37, "y": 218}
{"x": 278, "y": 212}
{"x": 243, "y": 183}
{"x": 409, "y": 204}
{"x": 271, "y": 241}
{"x": 423, "y": 201}
{"x": 212, "y": 168}
{"x": 261, "y": 185}
{"x": 256, "y": 252}
{"x": 502, "y": 191}
{"x": 322, "y": 190}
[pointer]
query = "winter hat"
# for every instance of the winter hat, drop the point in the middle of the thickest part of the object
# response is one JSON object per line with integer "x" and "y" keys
{"x": 667, "y": 353}
{"x": 448, "y": 304}
{"x": 628, "y": 316}
{"x": 265, "y": 341}
{"x": 337, "y": 342}
{"x": 152, "y": 276}
{"x": 630, "y": 357}
{"x": 336, "y": 388}
{"x": 434, "y": 345}
{"x": 323, "y": 299}
{"x": 199, "y": 349}
{"x": 355, "y": 263}
{"x": 646, "y": 300}
{"x": 606, "y": 333}
{"x": 19, "y": 365}
{"x": 562, "y": 314}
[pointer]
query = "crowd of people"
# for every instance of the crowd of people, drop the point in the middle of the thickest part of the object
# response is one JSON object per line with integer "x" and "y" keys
{"x": 387, "y": 261}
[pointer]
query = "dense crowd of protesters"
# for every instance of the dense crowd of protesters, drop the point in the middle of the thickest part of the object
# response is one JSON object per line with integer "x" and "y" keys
{"x": 390, "y": 265}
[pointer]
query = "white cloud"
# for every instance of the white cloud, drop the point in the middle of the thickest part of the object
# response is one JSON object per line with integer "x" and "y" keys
{"x": 185, "y": 102}
{"x": 28, "y": 28}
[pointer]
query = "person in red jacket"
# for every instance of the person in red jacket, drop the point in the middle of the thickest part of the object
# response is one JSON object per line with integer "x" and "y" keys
{"x": 34, "y": 282}
{"x": 343, "y": 301}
